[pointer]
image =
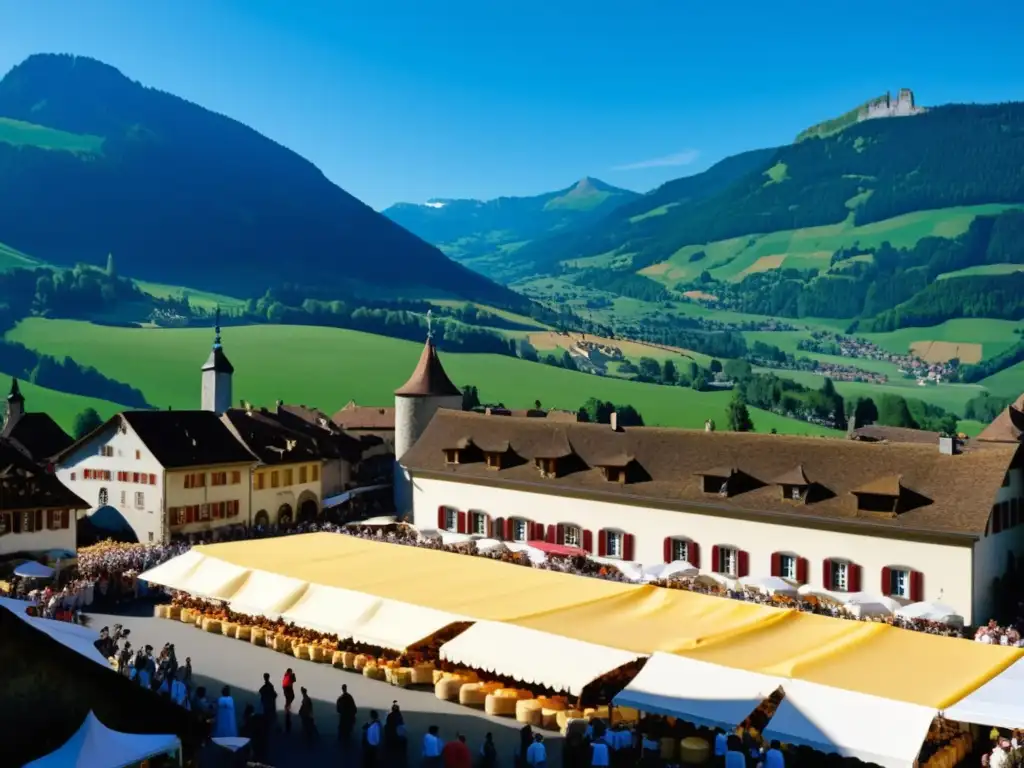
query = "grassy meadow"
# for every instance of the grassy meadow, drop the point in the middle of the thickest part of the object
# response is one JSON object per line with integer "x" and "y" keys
{"x": 326, "y": 367}
{"x": 61, "y": 406}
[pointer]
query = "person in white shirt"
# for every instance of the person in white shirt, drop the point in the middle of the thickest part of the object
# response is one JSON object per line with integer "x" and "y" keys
{"x": 432, "y": 746}
{"x": 1000, "y": 757}
{"x": 371, "y": 740}
{"x": 537, "y": 754}
{"x": 774, "y": 758}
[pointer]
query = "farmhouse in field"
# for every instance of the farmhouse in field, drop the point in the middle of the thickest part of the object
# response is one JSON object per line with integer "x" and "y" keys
{"x": 910, "y": 520}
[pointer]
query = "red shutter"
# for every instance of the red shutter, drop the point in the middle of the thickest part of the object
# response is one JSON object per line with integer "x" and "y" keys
{"x": 510, "y": 529}
{"x": 497, "y": 529}
{"x": 65, "y": 519}
{"x": 441, "y": 518}
{"x": 588, "y": 541}
{"x": 886, "y": 581}
{"x": 744, "y": 563}
{"x": 627, "y": 546}
{"x": 551, "y": 536}
{"x": 538, "y": 531}
{"x": 916, "y": 586}
{"x": 152, "y": 478}
{"x": 490, "y": 526}
{"x": 826, "y": 574}
{"x": 560, "y": 534}
{"x": 602, "y": 543}
{"x": 693, "y": 550}
{"x": 190, "y": 514}
{"x": 667, "y": 549}
{"x": 853, "y": 584}
{"x": 715, "y": 562}
{"x": 801, "y": 570}
{"x": 462, "y": 522}
{"x": 776, "y": 564}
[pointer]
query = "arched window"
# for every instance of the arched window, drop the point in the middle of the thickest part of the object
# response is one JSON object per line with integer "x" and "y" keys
{"x": 104, "y": 497}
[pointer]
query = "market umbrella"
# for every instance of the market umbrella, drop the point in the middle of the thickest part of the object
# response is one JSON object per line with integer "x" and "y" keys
{"x": 30, "y": 569}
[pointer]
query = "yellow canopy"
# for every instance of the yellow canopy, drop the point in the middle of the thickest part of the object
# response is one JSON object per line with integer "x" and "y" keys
{"x": 868, "y": 658}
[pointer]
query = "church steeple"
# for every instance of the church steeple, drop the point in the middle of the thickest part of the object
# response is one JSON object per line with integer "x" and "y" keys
{"x": 15, "y": 405}
{"x": 217, "y": 373}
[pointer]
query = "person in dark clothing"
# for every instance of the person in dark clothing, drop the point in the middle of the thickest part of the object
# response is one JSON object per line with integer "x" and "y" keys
{"x": 488, "y": 752}
{"x": 306, "y": 718}
{"x": 254, "y": 729}
{"x": 525, "y": 740}
{"x": 394, "y": 735}
{"x": 268, "y": 703}
{"x": 371, "y": 740}
{"x": 346, "y": 707}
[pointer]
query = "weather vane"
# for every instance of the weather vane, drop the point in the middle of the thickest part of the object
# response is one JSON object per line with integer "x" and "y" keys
{"x": 430, "y": 326}
{"x": 216, "y": 327}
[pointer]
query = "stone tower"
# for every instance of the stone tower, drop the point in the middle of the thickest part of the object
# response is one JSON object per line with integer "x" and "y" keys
{"x": 217, "y": 372}
{"x": 15, "y": 407}
{"x": 416, "y": 402}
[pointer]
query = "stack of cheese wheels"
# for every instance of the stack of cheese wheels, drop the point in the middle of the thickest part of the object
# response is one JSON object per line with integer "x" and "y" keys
{"x": 300, "y": 650}
{"x": 402, "y": 677}
{"x": 212, "y": 626}
{"x": 199, "y": 619}
{"x": 529, "y": 711}
{"x": 448, "y": 687}
{"x": 174, "y": 612}
{"x": 188, "y": 616}
{"x": 575, "y": 726}
{"x": 338, "y": 659}
{"x": 475, "y": 694}
{"x": 360, "y": 662}
{"x": 228, "y": 628}
{"x": 694, "y": 751}
{"x": 348, "y": 660}
{"x": 373, "y": 672}
{"x": 668, "y": 749}
{"x": 626, "y": 715}
{"x": 317, "y": 654}
{"x": 282, "y": 644}
{"x": 503, "y": 701}
{"x": 269, "y": 638}
{"x": 550, "y": 709}
{"x": 422, "y": 674}
{"x": 258, "y": 636}
{"x": 160, "y": 611}
{"x": 243, "y": 632}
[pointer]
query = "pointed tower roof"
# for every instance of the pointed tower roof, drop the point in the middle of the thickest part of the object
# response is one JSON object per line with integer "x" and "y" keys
{"x": 15, "y": 395}
{"x": 218, "y": 361}
{"x": 1008, "y": 426}
{"x": 429, "y": 378}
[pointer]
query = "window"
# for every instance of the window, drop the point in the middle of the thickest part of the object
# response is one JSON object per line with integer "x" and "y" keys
{"x": 106, "y": 450}
{"x": 135, "y": 477}
{"x": 547, "y": 467}
{"x": 74, "y": 476}
{"x": 572, "y": 536}
{"x": 787, "y": 567}
{"x": 493, "y": 460}
{"x": 138, "y": 455}
{"x": 303, "y": 474}
{"x": 520, "y": 530}
{"x": 150, "y": 533}
{"x": 451, "y": 456}
{"x": 124, "y": 498}
{"x": 728, "y": 561}
{"x": 218, "y": 478}
{"x": 140, "y": 500}
{"x": 899, "y": 583}
{"x": 5, "y": 523}
{"x": 195, "y": 480}
{"x": 104, "y": 497}
{"x": 840, "y": 577}
{"x": 204, "y": 512}
{"x": 680, "y": 550}
{"x": 288, "y": 478}
{"x": 478, "y": 521}
{"x": 259, "y": 481}
{"x": 314, "y": 473}
{"x": 794, "y": 492}
{"x": 275, "y": 479}
{"x": 613, "y": 547}
{"x": 451, "y": 519}
{"x": 236, "y": 477}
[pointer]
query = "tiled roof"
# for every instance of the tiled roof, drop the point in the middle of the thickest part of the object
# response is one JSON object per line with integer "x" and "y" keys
{"x": 39, "y": 434}
{"x": 24, "y": 485}
{"x": 364, "y": 417}
{"x": 952, "y": 494}
{"x": 429, "y": 378}
{"x": 269, "y": 440}
{"x": 877, "y": 433}
{"x": 332, "y": 440}
{"x": 1008, "y": 426}
{"x": 180, "y": 439}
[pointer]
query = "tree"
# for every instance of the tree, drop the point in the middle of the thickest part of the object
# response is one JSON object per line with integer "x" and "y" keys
{"x": 567, "y": 362}
{"x": 536, "y": 405}
{"x": 737, "y": 415}
{"x": 947, "y": 425}
{"x": 470, "y": 398}
{"x": 735, "y": 370}
{"x": 715, "y": 366}
{"x": 864, "y": 411}
{"x": 893, "y": 412}
{"x": 668, "y": 373}
{"x": 86, "y": 422}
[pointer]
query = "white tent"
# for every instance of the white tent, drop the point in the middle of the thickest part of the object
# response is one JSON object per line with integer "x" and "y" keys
{"x": 175, "y": 571}
{"x": 489, "y": 545}
{"x": 96, "y": 746}
{"x": 769, "y": 585}
{"x": 998, "y": 702}
{"x": 831, "y": 720}
{"x": 213, "y": 578}
{"x": 931, "y": 612}
{"x": 267, "y": 594}
{"x": 331, "y": 610}
{"x": 30, "y": 569}
{"x": 867, "y": 604}
{"x": 674, "y": 569}
{"x": 77, "y": 638}
{"x": 398, "y": 625}
{"x": 696, "y": 691}
{"x": 532, "y": 656}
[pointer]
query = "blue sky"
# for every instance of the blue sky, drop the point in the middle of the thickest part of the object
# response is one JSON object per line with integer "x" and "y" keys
{"x": 452, "y": 98}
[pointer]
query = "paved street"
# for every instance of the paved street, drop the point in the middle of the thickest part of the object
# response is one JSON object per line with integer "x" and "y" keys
{"x": 218, "y": 661}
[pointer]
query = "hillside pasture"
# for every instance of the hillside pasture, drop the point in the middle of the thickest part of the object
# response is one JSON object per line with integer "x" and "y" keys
{"x": 200, "y": 299}
{"x": 632, "y": 350}
{"x": 62, "y": 406}
{"x": 22, "y": 134}
{"x": 326, "y": 367}
{"x": 12, "y": 258}
{"x": 994, "y": 336}
{"x": 944, "y": 351}
{"x": 981, "y": 270}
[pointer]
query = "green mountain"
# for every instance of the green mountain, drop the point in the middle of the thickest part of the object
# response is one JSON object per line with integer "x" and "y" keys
{"x": 804, "y": 222}
{"x": 484, "y": 234}
{"x": 93, "y": 163}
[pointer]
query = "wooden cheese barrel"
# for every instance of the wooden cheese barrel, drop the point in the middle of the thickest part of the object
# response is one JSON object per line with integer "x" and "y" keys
{"x": 174, "y": 612}
{"x": 694, "y": 751}
{"x": 243, "y": 632}
{"x": 528, "y": 711}
{"x": 423, "y": 674}
{"x": 212, "y": 626}
{"x": 228, "y": 629}
{"x": 258, "y": 636}
{"x": 402, "y": 677}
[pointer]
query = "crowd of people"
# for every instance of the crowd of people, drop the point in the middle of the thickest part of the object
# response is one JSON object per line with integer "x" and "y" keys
{"x": 993, "y": 634}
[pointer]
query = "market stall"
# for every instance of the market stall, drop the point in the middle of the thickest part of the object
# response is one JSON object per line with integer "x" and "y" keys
{"x": 697, "y": 692}
{"x": 331, "y": 610}
{"x": 533, "y": 657}
{"x": 868, "y": 728}
{"x": 97, "y": 746}
{"x": 78, "y": 638}
{"x": 997, "y": 703}
{"x": 397, "y": 625}
{"x": 174, "y": 571}
{"x": 267, "y": 594}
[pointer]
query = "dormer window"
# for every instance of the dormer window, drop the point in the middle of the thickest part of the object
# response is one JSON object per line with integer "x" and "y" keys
{"x": 496, "y": 456}
{"x": 795, "y": 484}
{"x": 452, "y": 455}
{"x": 615, "y": 468}
{"x": 720, "y": 480}
{"x": 548, "y": 466}
{"x": 493, "y": 460}
{"x": 882, "y": 496}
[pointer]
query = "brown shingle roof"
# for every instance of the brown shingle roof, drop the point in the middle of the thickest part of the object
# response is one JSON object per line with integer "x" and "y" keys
{"x": 958, "y": 491}
{"x": 891, "y": 485}
{"x": 24, "y": 485}
{"x": 270, "y": 441}
{"x": 429, "y": 378}
{"x": 180, "y": 439}
{"x": 795, "y": 476}
{"x": 364, "y": 417}
{"x": 878, "y": 432}
{"x": 1008, "y": 426}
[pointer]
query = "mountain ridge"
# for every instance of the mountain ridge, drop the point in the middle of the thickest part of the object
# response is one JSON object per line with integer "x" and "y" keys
{"x": 236, "y": 212}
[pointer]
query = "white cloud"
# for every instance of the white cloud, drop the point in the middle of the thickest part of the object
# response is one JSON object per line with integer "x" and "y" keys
{"x": 679, "y": 158}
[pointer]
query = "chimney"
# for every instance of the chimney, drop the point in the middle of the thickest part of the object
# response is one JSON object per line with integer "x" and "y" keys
{"x": 613, "y": 419}
{"x": 948, "y": 446}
